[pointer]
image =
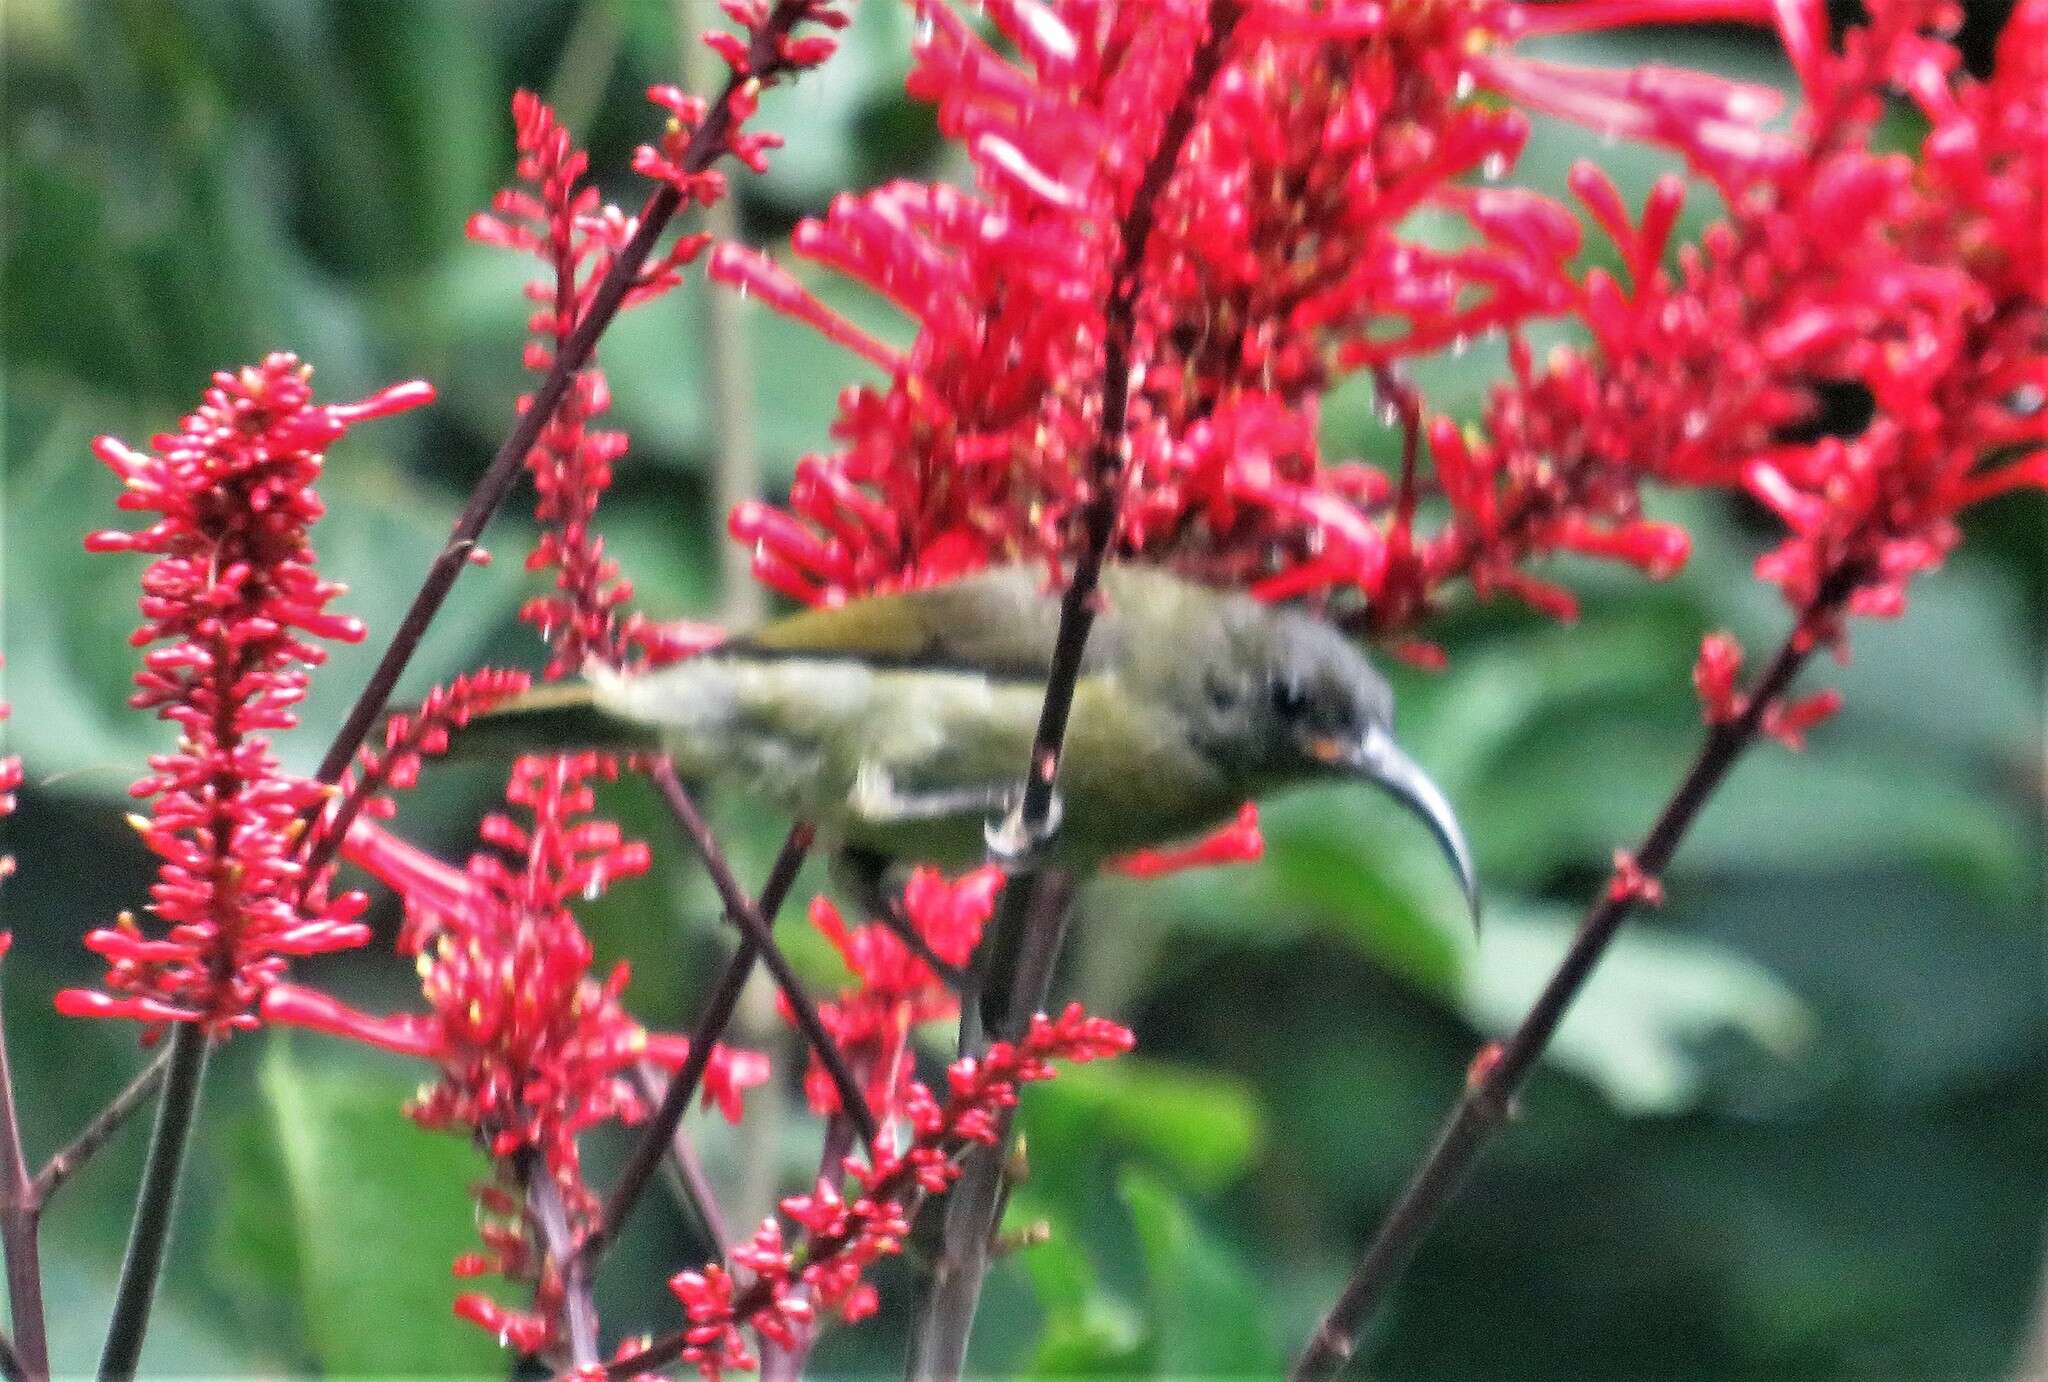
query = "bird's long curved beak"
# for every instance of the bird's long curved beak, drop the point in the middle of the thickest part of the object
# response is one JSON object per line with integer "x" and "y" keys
{"x": 1382, "y": 760}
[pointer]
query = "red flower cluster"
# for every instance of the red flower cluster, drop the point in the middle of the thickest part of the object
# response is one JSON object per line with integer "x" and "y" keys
{"x": 1916, "y": 282}
{"x": 558, "y": 218}
{"x": 844, "y": 1236}
{"x": 414, "y": 735}
{"x": 234, "y": 598}
{"x": 531, "y": 1046}
{"x": 766, "y": 50}
{"x": 1276, "y": 262}
{"x": 894, "y": 990}
{"x": 561, "y": 222}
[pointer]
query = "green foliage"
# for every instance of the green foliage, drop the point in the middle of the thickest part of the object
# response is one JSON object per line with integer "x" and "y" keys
{"x": 373, "y": 1212}
{"x": 1793, "y": 1131}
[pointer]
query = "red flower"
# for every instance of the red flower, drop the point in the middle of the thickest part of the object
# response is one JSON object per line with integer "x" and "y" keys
{"x": 561, "y": 221}
{"x": 1714, "y": 676}
{"x": 235, "y": 600}
{"x": 1237, "y": 843}
{"x": 893, "y": 989}
{"x": 532, "y": 1046}
{"x": 843, "y": 1236}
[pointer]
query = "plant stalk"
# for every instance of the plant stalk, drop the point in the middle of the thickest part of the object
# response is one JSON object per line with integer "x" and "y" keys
{"x": 1502, "y": 1068}
{"x": 1030, "y": 909}
{"x": 20, "y": 1219}
{"x": 156, "y": 1203}
{"x": 755, "y": 927}
{"x": 656, "y": 1134}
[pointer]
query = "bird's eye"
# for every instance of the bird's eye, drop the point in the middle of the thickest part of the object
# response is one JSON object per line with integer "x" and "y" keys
{"x": 1222, "y": 695}
{"x": 1290, "y": 698}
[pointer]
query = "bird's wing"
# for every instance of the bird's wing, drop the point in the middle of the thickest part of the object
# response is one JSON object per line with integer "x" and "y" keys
{"x": 1000, "y": 622}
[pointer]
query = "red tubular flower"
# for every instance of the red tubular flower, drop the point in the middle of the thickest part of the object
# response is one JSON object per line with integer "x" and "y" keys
{"x": 893, "y": 990}
{"x": 1713, "y": 676}
{"x": 1237, "y": 843}
{"x": 236, "y": 603}
{"x": 1919, "y": 282}
{"x": 1273, "y": 263}
{"x": 558, "y": 218}
{"x": 531, "y": 1045}
{"x": 843, "y": 1235}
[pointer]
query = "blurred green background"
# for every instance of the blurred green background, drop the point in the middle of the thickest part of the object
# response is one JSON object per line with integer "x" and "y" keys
{"x": 1794, "y": 1130}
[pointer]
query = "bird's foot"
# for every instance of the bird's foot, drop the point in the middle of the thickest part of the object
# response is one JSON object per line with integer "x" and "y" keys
{"x": 1014, "y": 842}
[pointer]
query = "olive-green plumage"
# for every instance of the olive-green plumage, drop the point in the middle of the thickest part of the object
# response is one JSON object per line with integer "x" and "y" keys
{"x": 902, "y": 723}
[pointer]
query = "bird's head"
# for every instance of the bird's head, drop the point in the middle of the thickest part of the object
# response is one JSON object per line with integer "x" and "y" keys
{"x": 1296, "y": 700}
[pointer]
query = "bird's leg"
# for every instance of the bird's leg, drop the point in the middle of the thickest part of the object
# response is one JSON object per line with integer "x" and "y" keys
{"x": 860, "y": 872}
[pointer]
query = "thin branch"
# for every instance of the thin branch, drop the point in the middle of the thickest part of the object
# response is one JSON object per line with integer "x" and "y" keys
{"x": 779, "y": 1364}
{"x": 706, "y": 145}
{"x": 735, "y": 462}
{"x": 157, "y": 1201}
{"x": 1502, "y": 1068}
{"x": 655, "y": 1134}
{"x": 939, "y": 1342}
{"x": 973, "y": 1205}
{"x": 20, "y": 1215}
{"x": 94, "y": 1135}
{"x": 754, "y": 926}
{"x": 684, "y": 1170}
{"x": 579, "y": 1309}
{"x": 1112, "y": 445}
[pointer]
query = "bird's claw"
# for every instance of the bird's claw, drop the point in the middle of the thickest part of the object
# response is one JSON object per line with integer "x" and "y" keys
{"x": 1014, "y": 843}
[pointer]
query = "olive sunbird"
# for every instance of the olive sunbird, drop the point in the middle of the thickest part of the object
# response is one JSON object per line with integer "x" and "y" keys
{"x": 900, "y": 724}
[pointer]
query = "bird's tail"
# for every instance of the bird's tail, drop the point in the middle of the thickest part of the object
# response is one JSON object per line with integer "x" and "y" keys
{"x": 561, "y": 717}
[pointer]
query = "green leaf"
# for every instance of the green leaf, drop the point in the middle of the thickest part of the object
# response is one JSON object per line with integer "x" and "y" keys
{"x": 1207, "y": 1127}
{"x": 1208, "y": 1309}
{"x": 380, "y": 1208}
{"x": 185, "y": 1337}
{"x": 1634, "y": 1031}
{"x": 1088, "y": 1330}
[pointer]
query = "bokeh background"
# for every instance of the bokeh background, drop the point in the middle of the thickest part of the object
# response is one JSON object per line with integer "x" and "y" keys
{"x": 1795, "y": 1128}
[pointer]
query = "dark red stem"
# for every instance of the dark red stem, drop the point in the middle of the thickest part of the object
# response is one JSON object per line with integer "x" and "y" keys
{"x": 156, "y": 1202}
{"x": 108, "y": 1121}
{"x": 1498, "y": 1075}
{"x": 579, "y": 1306}
{"x": 706, "y": 144}
{"x": 946, "y": 1319}
{"x": 754, "y": 926}
{"x": 655, "y": 1135}
{"x": 20, "y": 1218}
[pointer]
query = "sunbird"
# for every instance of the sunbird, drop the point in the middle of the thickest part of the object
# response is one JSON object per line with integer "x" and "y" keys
{"x": 901, "y": 724}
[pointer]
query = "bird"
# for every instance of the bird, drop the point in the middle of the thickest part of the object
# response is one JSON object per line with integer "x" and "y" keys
{"x": 901, "y": 724}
